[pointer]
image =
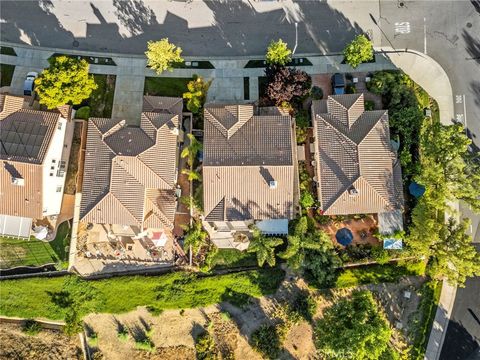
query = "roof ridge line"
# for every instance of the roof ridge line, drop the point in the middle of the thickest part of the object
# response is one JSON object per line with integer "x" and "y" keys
{"x": 374, "y": 125}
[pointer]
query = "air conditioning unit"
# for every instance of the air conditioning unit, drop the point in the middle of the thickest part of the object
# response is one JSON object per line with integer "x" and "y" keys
{"x": 175, "y": 131}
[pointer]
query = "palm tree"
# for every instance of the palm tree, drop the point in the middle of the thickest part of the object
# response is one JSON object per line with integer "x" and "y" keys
{"x": 301, "y": 241}
{"x": 264, "y": 247}
{"x": 192, "y": 175}
{"x": 195, "y": 237}
{"x": 190, "y": 152}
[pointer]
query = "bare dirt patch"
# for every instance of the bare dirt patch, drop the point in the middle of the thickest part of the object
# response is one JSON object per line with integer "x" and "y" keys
{"x": 48, "y": 345}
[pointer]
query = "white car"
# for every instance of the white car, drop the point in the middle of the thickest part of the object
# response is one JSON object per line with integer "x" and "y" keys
{"x": 29, "y": 83}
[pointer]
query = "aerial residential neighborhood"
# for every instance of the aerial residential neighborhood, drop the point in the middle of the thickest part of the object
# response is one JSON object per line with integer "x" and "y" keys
{"x": 240, "y": 179}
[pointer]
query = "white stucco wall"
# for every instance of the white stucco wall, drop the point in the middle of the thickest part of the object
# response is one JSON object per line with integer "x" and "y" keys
{"x": 53, "y": 185}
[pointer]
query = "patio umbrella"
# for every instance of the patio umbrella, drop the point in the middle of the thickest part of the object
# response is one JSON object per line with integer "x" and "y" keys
{"x": 344, "y": 236}
{"x": 416, "y": 190}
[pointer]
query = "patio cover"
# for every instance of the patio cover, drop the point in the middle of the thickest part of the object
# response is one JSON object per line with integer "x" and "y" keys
{"x": 389, "y": 222}
{"x": 15, "y": 226}
{"x": 273, "y": 226}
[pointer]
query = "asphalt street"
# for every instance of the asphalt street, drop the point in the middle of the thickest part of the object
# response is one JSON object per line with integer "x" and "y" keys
{"x": 447, "y": 31}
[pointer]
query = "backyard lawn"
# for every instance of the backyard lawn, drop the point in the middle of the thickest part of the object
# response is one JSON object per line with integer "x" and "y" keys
{"x": 6, "y": 74}
{"x": 163, "y": 86}
{"x": 34, "y": 297}
{"x": 18, "y": 252}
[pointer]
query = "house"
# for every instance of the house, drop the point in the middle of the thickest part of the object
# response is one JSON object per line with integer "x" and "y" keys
{"x": 33, "y": 164}
{"x": 130, "y": 171}
{"x": 249, "y": 173}
{"x": 356, "y": 167}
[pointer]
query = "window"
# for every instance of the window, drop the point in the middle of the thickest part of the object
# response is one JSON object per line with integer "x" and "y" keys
{"x": 59, "y": 188}
{"x": 54, "y": 161}
{"x": 52, "y": 168}
{"x": 59, "y": 127}
{"x": 51, "y": 174}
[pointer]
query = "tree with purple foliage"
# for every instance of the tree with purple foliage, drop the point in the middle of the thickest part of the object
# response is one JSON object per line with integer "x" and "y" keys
{"x": 286, "y": 84}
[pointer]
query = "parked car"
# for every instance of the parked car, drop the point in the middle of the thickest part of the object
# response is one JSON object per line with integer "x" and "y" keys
{"x": 29, "y": 83}
{"x": 338, "y": 84}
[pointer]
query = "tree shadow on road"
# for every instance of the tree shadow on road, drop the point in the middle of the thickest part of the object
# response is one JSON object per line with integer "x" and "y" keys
{"x": 472, "y": 46}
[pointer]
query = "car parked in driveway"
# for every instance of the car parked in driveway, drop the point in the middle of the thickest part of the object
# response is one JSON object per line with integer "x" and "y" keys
{"x": 29, "y": 83}
{"x": 338, "y": 84}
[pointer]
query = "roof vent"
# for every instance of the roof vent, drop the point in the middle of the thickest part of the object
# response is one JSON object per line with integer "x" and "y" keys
{"x": 353, "y": 192}
{"x": 18, "y": 181}
{"x": 272, "y": 184}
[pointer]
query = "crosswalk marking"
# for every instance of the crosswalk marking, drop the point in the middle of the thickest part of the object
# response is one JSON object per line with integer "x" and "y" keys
{"x": 402, "y": 27}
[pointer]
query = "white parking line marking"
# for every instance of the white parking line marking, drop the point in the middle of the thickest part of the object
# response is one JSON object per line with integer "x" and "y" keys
{"x": 465, "y": 112}
{"x": 402, "y": 27}
{"x": 458, "y": 99}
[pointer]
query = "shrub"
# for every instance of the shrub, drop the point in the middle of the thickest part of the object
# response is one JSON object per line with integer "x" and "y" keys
{"x": 369, "y": 105}
{"x": 122, "y": 333}
{"x": 350, "y": 89}
{"x": 266, "y": 341}
{"x": 154, "y": 310}
{"x": 306, "y": 200}
{"x": 205, "y": 347}
{"x": 83, "y": 113}
{"x": 301, "y": 135}
{"x": 31, "y": 327}
{"x": 145, "y": 344}
{"x": 301, "y": 119}
{"x": 380, "y": 255}
{"x": 304, "y": 305}
{"x": 316, "y": 93}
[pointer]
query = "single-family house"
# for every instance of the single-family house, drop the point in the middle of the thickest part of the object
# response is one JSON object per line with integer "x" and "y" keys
{"x": 356, "y": 165}
{"x": 249, "y": 173}
{"x": 33, "y": 159}
{"x": 130, "y": 171}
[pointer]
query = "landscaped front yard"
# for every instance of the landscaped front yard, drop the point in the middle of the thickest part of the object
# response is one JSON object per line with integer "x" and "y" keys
{"x": 33, "y": 252}
{"x": 164, "y": 86}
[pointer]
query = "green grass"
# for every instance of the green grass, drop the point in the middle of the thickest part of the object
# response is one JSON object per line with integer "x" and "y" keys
{"x": 376, "y": 274}
{"x": 225, "y": 258}
{"x": 6, "y": 74}
{"x": 32, "y": 298}
{"x": 422, "y": 321}
{"x": 101, "y": 99}
{"x": 33, "y": 252}
{"x": 164, "y": 86}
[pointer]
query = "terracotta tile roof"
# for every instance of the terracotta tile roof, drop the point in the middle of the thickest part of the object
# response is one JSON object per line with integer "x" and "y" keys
{"x": 248, "y": 169}
{"x": 25, "y": 136}
{"x": 354, "y": 157}
{"x": 130, "y": 172}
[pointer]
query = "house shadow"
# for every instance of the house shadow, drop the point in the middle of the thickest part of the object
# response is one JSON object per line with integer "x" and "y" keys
{"x": 136, "y": 23}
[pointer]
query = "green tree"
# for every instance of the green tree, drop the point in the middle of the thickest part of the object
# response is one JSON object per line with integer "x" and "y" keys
{"x": 161, "y": 55}
{"x": 192, "y": 175}
{"x": 278, "y": 53}
{"x": 353, "y": 328}
{"x": 195, "y": 237}
{"x": 264, "y": 247}
{"x": 66, "y": 81}
{"x": 358, "y": 51}
{"x": 302, "y": 241}
{"x": 191, "y": 151}
{"x": 196, "y": 94}
{"x": 454, "y": 256}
